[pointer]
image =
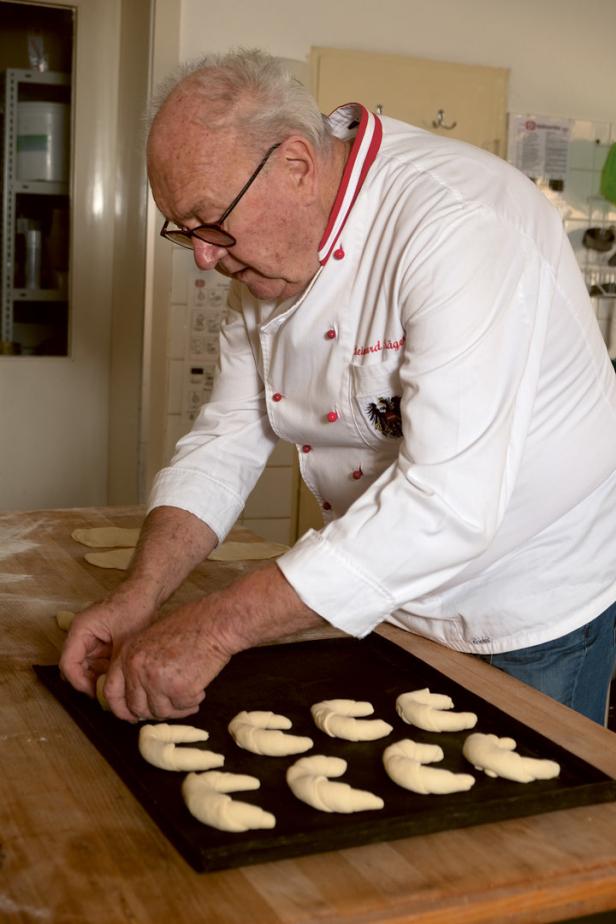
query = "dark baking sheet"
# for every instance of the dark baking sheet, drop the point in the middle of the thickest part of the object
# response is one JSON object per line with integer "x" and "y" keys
{"x": 288, "y": 679}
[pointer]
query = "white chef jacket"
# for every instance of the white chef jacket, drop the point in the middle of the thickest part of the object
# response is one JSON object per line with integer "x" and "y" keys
{"x": 450, "y": 396}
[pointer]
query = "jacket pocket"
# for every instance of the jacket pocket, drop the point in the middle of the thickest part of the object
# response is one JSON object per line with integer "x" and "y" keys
{"x": 376, "y": 392}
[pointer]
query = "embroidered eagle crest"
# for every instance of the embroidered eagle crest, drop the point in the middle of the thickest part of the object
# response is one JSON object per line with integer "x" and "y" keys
{"x": 385, "y": 416}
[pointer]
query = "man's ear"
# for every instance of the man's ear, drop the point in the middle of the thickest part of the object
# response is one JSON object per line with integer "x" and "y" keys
{"x": 301, "y": 164}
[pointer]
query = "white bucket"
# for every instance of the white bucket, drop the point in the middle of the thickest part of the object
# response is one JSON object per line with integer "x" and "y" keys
{"x": 43, "y": 141}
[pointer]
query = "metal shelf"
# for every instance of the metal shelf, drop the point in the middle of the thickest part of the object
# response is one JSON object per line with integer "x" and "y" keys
{"x": 39, "y": 295}
{"x": 42, "y": 78}
{"x": 12, "y": 186}
{"x": 41, "y": 187}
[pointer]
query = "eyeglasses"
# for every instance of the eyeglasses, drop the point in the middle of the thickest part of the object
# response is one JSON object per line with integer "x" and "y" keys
{"x": 213, "y": 233}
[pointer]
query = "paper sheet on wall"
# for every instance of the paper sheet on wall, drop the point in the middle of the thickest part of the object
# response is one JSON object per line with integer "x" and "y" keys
{"x": 539, "y": 145}
{"x": 207, "y": 299}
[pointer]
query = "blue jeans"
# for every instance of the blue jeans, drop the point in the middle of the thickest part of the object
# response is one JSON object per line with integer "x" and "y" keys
{"x": 575, "y": 669}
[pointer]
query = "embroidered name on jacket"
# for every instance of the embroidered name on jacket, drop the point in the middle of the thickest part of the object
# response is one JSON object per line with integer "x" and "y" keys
{"x": 379, "y": 345}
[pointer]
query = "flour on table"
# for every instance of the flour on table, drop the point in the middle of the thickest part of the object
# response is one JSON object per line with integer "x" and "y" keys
{"x": 12, "y": 542}
{"x": 263, "y": 733}
{"x": 405, "y": 762}
{"x": 205, "y": 795}
{"x": 308, "y": 780}
{"x": 9, "y": 578}
{"x": 107, "y": 537}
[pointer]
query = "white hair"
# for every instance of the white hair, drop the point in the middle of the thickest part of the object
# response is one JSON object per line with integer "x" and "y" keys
{"x": 251, "y": 92}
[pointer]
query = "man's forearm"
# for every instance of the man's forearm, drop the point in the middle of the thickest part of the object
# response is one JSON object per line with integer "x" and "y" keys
{"x": 172, "y": 542}
{"x": 259, "y": 608}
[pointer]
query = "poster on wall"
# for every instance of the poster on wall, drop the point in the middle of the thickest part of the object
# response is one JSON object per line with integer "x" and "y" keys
{"x": 539, "y": 146}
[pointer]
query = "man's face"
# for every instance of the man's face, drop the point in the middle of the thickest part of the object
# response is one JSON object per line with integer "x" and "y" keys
{"x": 275, "y": 223}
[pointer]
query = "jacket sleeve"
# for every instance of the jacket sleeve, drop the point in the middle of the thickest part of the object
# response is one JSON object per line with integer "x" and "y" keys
{"x": 217, "y": 464}
{"x": 474, "y": 301}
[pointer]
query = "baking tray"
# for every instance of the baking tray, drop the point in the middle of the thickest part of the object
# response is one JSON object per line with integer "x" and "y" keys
{"x": 288, "y": 679}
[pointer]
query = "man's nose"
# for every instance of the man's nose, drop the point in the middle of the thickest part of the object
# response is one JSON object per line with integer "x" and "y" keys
{"x": 207, "y": 255}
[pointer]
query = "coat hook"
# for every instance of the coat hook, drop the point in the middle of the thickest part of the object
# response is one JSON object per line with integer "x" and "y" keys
{"x": 439, "y": 122}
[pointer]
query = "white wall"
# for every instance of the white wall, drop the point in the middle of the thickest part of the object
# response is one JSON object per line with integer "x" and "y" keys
{"x": 561, "y": 52}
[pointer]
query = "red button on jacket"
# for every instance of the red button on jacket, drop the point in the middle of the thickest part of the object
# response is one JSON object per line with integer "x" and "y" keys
{"x": 332, "y": 416}
{"x": 277, "y": 396}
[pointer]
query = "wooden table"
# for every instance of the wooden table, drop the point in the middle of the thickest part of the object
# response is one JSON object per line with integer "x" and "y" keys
{"x": 77, "y": 847}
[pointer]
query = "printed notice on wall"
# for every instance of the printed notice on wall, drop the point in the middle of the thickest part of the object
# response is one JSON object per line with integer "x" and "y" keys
{"x": 539, "y": 145}
{"x": 207, "y": 297}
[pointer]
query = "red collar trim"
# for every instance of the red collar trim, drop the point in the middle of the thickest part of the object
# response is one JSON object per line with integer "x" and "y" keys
{"x": 365, "y": 147}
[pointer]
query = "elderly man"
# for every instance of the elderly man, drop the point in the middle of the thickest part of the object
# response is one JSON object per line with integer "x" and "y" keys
{"x": 406, "y": 309}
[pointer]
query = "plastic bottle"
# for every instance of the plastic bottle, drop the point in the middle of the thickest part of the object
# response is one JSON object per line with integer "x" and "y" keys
{"x": 33, "y": 259}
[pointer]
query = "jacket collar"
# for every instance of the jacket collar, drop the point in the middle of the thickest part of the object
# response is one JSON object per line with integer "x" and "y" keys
{"x": 347, "y": 122}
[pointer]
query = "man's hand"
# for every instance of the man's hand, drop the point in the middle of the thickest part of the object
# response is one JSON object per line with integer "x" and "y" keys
{"x": 171, "y": 543}
{"x": 162, "y": 671}
{"x": 97, "y": 633}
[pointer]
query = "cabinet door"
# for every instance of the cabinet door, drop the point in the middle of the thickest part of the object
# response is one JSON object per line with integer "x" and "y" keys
{"x": 415, "y": 89}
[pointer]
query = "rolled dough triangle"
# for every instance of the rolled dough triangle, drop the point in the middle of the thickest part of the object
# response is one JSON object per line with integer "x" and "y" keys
{"x": 107, "y": 537}
{"x": 112, "y": 558}
{"x": 228, "y": 551}
{"x": 247, "y": 551}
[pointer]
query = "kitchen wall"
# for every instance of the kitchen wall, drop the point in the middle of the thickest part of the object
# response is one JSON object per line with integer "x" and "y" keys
{"x": 561, "y": 52}
{"x": 562, "y": 63}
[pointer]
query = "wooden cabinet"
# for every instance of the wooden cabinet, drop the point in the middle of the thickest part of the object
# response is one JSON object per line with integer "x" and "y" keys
{"x": 471, "y": 98}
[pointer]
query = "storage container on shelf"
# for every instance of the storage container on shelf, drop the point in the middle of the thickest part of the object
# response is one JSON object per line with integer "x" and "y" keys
{"x": 43, "y": 140}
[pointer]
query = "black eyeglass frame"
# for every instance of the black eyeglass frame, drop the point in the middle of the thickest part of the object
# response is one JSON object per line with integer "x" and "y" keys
{"x": 212, "y": 232}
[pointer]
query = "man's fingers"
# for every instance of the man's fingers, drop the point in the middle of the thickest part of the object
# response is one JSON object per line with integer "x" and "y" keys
{"x": 160, "y": 705}
{"x": 168, "y": 711}
{"x": 115, "y": 694}
{"x": 75, "y": 666}
{"x": 99, "y": 665}
{"x": 189, "y": 702}
{"x": 182, "y": 713}
{"x": 131, "y": 702}
{"x": 84, "y": 656}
